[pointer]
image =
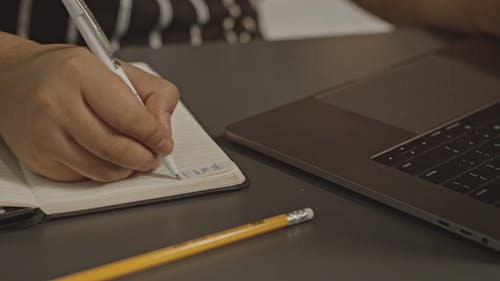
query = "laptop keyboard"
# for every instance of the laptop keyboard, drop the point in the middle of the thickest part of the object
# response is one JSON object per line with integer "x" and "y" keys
{"x": 463, "y": 156}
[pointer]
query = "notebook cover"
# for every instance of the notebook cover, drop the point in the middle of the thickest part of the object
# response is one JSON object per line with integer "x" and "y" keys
{"x": 151, "y": 201}
{"x": 26, "y": 217}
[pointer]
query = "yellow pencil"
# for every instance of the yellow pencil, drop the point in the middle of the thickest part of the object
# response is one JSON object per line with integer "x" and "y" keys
{"x": 172, "y": 253}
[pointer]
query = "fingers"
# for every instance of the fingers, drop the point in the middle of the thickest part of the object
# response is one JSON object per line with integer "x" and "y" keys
{"x": 159, "y": 106}
{"x": 159, "y": 95}
{"x": 114, "y": 103}
{"x": 56, "y": 171}
{"x": 97, "y": 138}
{"x": 147, "y": 84}
{"x": 76, "y": 158}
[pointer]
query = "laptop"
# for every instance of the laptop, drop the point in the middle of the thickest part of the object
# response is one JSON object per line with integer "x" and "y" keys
{"x": 422, "y": 137}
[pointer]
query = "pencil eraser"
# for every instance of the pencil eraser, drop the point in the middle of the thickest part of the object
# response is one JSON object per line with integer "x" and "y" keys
{"x": 310, "y": 213}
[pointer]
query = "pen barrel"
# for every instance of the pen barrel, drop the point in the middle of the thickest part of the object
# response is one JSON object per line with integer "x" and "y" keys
{"x": 93, "y": 41}
{"x": 179, "y": 251}
{"x": 119, "y": 71}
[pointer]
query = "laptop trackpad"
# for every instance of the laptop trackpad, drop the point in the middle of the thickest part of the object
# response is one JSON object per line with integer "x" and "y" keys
{"x": 419, "y": 96}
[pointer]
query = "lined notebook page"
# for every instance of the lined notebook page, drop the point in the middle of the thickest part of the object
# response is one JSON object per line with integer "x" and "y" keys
{"x": 13, "y": 189}
{"x": 195, "y": 153}
{"x": 209, "y": 159}
{"x": 202, "y": 164}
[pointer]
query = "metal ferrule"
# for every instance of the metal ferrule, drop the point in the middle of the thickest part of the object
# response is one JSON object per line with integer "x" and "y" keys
{"x": 297, "y": 217}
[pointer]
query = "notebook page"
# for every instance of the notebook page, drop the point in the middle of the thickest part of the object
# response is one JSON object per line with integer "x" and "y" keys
{"x": 13, "y": 190}
{"x": 207, "y": 157}
{"x": 201, "y": 162}
{"x": 195, "y": 153}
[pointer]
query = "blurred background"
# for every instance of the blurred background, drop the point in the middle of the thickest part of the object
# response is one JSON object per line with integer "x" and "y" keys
{"x": 159, "y": 22}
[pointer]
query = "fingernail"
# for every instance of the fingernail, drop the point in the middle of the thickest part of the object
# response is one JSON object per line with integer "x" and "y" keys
{"x": 162, "y": 142}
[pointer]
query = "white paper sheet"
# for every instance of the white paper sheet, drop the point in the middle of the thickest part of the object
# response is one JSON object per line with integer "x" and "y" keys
{"x": 295, "y": 19}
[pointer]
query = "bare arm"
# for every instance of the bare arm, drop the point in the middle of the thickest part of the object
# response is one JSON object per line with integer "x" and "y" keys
{"x": 472, "y": 16}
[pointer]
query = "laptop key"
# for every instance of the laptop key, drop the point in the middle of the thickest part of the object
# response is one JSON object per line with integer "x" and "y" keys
{"x": 489, "y": 193}
{"x": 485, "y": 134}
{"x": 472, "y": 158}
{"x": 471, "y": 180}
{"x": 457, "y": 146}
{"x": 456, "y": 129}
{"x": 458, "y": 186}
{"x": 410, "y": 154}
{"x": 440, "y": 136}
{"x": 389, "y": 159}
{"x": 464, "y": 143}
{"x": 485, "y": 173}
{"x": 426, "y": 161}
{"x": 463, "y": 156}
{"x": 493, "y": 129}
{"x": 445, "y": 172}
{"x": 472, "y": 138}
{"x": 418, "y": 147}
{"x": 490, "y": 149}
{"x": 494, "y": 165}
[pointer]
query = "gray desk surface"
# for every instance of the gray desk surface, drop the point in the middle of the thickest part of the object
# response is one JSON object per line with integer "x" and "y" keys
{"x": 352, "y": 238}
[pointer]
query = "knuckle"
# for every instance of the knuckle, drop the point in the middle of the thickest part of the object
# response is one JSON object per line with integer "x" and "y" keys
{"x": 114, "y": 152}
{"x": 45, "y": 103}
{"x": 125, "y": 154}
{"x": 169, "y": 88}
{"x": 155, "y": 136}
{"x": 143, "y": 159}
{"x": 74, "y": 59}
{"x": 136, "y": 117}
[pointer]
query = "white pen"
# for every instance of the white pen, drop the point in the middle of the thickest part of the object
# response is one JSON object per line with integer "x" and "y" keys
{"x": 99, "y": 45}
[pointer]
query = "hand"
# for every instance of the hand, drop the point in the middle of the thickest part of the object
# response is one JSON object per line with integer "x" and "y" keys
{"x": 67, "y": 117}
{"x": 459, "y": 15}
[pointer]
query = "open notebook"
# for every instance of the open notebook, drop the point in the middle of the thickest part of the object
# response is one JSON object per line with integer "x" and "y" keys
{"x": 202, "y": 164}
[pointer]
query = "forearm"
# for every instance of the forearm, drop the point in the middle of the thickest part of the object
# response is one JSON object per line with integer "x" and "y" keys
{"x": 486, "y": 13}
{"x": 472, "y": 16}
{"x": 460, "y": 15}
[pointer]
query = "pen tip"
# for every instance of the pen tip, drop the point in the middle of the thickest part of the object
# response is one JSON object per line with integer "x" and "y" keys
{"x": 178, "y": 177}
